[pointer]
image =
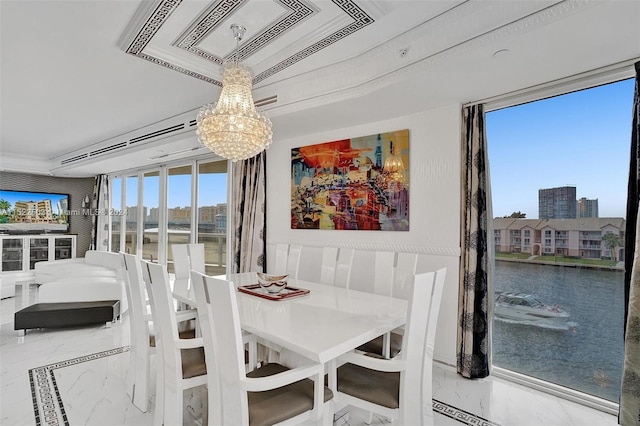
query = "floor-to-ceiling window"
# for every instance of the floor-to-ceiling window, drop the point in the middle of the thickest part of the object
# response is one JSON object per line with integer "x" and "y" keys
{"x": 167, "y": 196}
{"x": 179, "y": 190}
{"x": 131, "y": 216}
{"x": 151, "y": 206}
{"x": 212, "y": 214}
{"x": 559, "y": 169}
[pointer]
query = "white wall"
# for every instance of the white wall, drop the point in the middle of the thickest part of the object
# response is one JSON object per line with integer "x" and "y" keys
{"x": 434, "y": 145}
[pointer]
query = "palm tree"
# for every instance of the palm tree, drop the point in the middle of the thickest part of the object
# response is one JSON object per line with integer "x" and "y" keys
{"x": 5, "y": 209}
{"x": 612, "y": 242}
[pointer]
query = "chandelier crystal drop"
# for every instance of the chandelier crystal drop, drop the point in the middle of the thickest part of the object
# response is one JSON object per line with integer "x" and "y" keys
{"x": 231, "y": 127}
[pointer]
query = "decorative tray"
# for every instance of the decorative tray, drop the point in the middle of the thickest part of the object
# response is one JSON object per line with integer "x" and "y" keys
{"x": 286, "y": 293}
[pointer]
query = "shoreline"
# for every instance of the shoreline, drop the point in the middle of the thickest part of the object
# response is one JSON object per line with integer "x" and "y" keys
{"x": 563, "y": 264}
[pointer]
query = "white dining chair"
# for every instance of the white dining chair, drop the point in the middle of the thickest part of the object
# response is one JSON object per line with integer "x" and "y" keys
{"x": 383, "y": 285}
{"x": 282, "y": 254}
{"x": 196, "y": 257}
{"x": 383, "y": 273}
{"x": 343, "y": 268}
{"x": 293, "y": 260}
{"x": 328, "y": 266}
{"x": 398, "y": 388}
{"x": 267, "y": 395}
{"x": 390, "y": 344}
{"x": 406, "y": 265}
{"x": 181, "y": 268}
{"x": 142, "y": 344}
{"x": 181, "y": 364}
{"x": 141, "y": 340}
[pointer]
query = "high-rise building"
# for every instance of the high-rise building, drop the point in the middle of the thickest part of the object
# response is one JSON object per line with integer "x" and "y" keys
{"x": 557, "y": 203}
{"x": 587, "y": 208}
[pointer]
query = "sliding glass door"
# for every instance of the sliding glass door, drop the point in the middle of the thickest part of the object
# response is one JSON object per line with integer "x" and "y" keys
{"x": 212, "y": 215}
{"x": 131, "y": 228}
{"x": 179, "y": 194}
{"x": 172, "y": 205}
{"x": 150, "y": 218}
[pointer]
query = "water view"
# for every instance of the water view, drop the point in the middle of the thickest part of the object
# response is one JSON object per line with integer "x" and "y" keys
{"x": 586, "y": 354}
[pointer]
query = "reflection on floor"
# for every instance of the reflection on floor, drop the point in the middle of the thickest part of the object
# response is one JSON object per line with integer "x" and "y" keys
{"x": 77, "y": 376}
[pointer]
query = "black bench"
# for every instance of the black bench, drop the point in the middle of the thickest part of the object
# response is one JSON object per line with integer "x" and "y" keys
{"x": 68, "y": 314}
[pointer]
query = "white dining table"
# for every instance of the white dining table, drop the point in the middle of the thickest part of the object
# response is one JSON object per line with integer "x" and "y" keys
{"x": 321, "y": 325}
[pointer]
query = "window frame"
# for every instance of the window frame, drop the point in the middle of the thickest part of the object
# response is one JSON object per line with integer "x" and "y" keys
{"x": 163, "y": 168}
{"x": 588, "y": 80}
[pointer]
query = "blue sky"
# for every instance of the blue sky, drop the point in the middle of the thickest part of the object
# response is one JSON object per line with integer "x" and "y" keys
{"x": 581, "y": 139}
{"x": 212, "y": 191}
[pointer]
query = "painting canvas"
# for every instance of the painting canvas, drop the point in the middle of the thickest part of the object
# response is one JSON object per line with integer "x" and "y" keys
{"x": 352, "y": 184}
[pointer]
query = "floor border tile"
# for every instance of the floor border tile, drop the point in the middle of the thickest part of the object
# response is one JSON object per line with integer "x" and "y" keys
{"x": 460, "y": 415}
{"x": 48, "y": 407}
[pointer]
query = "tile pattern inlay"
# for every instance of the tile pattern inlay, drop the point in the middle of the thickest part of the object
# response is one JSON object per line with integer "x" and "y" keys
{"x": 460, "y": 415}
{"x": 47, "y": 401}
{"x": 49, "y": 408}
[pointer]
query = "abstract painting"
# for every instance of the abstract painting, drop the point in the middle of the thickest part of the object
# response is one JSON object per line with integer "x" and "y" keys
{"x": 352, "y": 184}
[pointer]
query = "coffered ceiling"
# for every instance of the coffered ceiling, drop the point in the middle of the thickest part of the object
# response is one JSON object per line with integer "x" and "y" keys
{"x": 97, "y": 86}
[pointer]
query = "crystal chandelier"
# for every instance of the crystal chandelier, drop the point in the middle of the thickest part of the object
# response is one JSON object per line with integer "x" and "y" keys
{"x": 232, "y": 128}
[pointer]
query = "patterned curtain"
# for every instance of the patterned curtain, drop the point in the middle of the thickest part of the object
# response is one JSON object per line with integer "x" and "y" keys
{"x": 474, "y": 299}
{"x": 249, "y": 208}
{"x": 100, "y": 220}
{"x": 630, "y": 393}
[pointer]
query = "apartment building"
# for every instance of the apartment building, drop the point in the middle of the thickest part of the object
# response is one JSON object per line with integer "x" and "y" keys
{"x": 587, "y": 208}
{"x": 557, "y": 203}
{"x": 564, "y": 237}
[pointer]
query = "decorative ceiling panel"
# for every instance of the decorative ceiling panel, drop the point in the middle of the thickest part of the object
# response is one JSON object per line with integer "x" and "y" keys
{"x": 319, "y": 65}
{"x": 217, "y": 16}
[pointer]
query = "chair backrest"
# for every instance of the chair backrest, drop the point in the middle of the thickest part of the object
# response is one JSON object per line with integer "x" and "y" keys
{"x": 156, "y": 280}
{"x": 383, "y": 273}
{"x": 293, "y": 260}
{"x": 198, "y": 282}
{"x": 181, "y": 268}
{"x": 432, "y": 325}
{"x": 282, "y": 254}
{"x": 137, "y": 300}
{"x": 138, "y": 326}
{"x": 406, "y": 264}
{"x": 328, "y": 267}
{"x": 196, "y": 257}
{"x": 418, "y": 339}
{"x": 343, "y": 268}
{"x": 224, "y": 322}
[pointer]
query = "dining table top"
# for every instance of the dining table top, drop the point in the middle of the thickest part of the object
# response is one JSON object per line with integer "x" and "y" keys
{"x": 322, "y": 324}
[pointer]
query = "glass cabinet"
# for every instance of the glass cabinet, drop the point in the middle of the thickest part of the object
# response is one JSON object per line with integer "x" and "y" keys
{"x": 12, "y": 254}
{"x": 38, "y": 251}
{"x": 20, "y": 253}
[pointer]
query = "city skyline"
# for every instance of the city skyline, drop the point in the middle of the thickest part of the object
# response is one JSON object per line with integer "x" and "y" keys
{"x": 581, "y": 139}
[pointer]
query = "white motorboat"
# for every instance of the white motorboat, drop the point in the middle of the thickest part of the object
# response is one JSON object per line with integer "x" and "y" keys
{"x": 527, "y": 309}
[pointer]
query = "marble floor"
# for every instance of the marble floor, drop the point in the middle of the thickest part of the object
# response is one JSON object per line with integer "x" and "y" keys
{"x": 77, "y": 376}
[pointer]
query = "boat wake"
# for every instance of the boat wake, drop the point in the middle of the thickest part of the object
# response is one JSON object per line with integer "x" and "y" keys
{"x": 570, "y": 325}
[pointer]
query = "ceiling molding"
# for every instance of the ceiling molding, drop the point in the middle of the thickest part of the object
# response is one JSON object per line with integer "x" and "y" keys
{"x": 219, "y": 12}
{"x": 383, "y": 66}
{"x": 151, "y": 16}
{"x": 360, "y": 20}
